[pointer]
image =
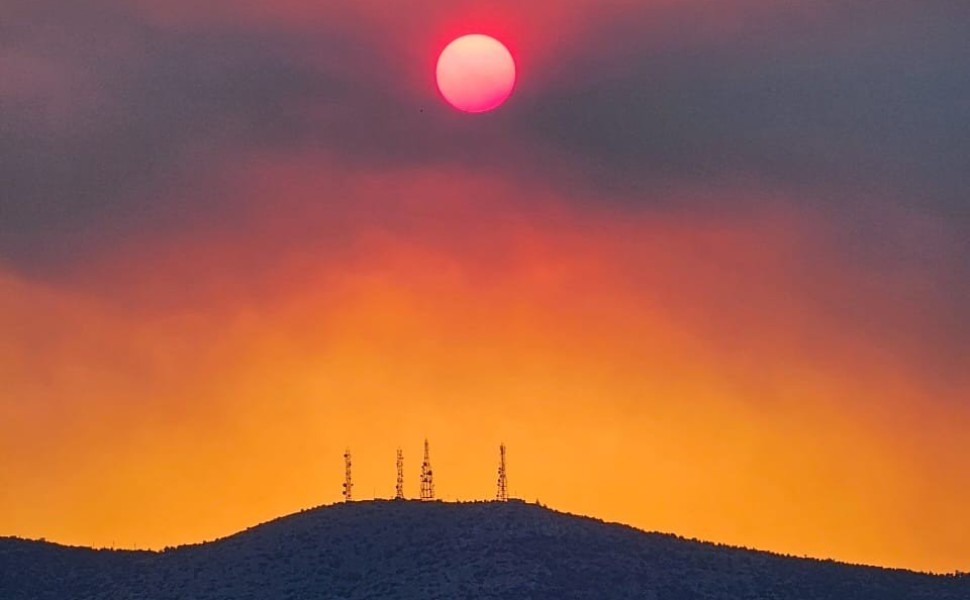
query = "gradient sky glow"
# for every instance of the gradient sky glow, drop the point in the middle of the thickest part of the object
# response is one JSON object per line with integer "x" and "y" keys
{"x": 706, "y": 272}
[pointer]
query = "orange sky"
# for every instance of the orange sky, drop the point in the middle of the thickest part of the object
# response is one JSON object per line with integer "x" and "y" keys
{"x": 186, "y": 389}
{"x": 736, "y": 358}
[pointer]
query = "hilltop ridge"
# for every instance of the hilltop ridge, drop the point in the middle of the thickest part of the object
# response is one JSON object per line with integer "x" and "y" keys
{"x": 410, "y": 549}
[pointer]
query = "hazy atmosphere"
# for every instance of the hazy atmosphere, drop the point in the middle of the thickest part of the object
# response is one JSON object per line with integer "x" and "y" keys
{"x": 707, "y": 271}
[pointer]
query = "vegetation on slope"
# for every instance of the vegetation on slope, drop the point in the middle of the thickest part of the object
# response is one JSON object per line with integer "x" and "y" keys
{"x": 405, "y": 550}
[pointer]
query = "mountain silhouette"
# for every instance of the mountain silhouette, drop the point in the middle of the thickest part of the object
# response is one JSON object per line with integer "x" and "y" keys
{"x": 436, "y": 550}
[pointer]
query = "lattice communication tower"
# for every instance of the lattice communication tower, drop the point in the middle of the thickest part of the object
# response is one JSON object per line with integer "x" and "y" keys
{"x": 348, "y": 483}
{"x": 502, "y": 492}
{"x": 427, "y": 481}
{"x": 399, "y": 488}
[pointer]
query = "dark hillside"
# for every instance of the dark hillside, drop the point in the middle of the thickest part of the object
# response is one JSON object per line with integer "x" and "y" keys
{"x": 407, "y": 550}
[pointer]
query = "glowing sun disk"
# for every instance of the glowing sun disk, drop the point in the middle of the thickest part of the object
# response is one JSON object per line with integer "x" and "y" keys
{"x": 476, "y": 73}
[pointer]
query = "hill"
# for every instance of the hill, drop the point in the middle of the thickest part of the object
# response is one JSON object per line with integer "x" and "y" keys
{"x": 405, "y": 550}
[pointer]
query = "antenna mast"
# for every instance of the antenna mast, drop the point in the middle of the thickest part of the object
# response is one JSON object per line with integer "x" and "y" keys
{"x": 427, "y": 483}
{"x": 399, "y": 489}
{"x": 348, "y": 484}
{"x": 502, "y": 493}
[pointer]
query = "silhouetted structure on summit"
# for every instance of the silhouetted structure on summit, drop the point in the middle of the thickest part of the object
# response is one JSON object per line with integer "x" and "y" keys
{"x": 502, "y": 493}
{"x": 348, "y": 484}
{"x": 427, "y": 481}
{"x": 399, "y": 488}
{"x": 427, "y": 476}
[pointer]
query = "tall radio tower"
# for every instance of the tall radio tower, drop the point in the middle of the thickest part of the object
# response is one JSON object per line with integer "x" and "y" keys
{"x": 399, "y": 488}
{"x": 427, "y": 483}
{"x": 502, "y": 493}
{"x": 348, "y": 484}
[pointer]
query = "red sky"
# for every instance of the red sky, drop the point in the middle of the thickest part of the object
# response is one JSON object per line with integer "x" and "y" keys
{"x": 705, "y": 273}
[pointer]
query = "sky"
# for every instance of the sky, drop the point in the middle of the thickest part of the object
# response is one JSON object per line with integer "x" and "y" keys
{"x": 706, "y": 272}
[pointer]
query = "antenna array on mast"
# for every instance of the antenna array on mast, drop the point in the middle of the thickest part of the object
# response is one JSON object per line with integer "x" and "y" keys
{"x": 399, "y": 488}
{"x": 502, "y": 493}
{"x": 427, "y": 477}
{"x": 348, "y": 484}
{"x": 427, "y": 482}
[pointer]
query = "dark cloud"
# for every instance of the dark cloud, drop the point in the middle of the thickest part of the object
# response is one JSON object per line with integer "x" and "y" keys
{"x": 870, "y": 99}
{"x": 835, "y": 103}
{"x": 138, "y": 108}
{"x": 856, "y": 111}
{"x": 120, "y": 132}
{"x": 110, "y": 126}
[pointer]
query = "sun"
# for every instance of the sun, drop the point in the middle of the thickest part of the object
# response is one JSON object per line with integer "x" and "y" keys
{"x": 476, "y": 73}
